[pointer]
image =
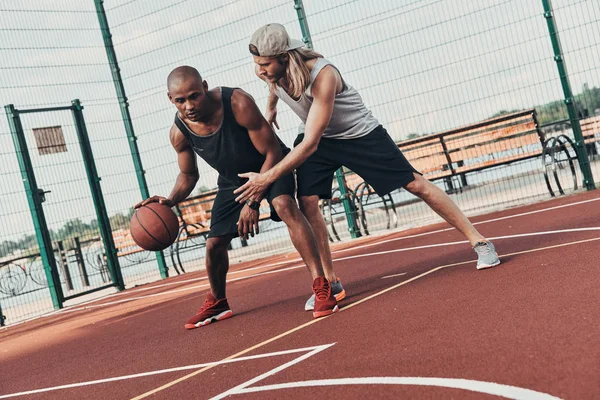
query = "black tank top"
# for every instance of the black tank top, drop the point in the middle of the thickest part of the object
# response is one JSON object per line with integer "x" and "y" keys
{"x": 229, "y": 149}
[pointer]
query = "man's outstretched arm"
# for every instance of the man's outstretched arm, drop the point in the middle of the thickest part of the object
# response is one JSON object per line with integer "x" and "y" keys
{"x": 324, "y": 90}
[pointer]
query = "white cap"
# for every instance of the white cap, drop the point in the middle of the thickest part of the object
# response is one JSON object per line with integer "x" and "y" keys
{"x": 272, "y": 40}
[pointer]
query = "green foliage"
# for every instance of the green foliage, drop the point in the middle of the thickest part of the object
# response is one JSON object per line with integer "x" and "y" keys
{"x": 71, "y": 229}
{"x": 503, "y": 112}
{"x": 588, "y": 99}
{"x": 199, "y": 190}
{"x": 552, "y": 112}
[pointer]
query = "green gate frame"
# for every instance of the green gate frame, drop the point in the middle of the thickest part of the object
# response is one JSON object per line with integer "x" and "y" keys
{"x": 36, "y": 196}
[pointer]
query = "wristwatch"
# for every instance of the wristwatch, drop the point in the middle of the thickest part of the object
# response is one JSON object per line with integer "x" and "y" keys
{"x": 254, "y": 205}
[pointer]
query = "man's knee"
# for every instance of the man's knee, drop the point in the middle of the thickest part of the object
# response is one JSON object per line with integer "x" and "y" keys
{"x": 285, "y": 207}
{"x": 218, "y": 244}
{"x": 309, "y": 205}
{"x": 418, "y": 186}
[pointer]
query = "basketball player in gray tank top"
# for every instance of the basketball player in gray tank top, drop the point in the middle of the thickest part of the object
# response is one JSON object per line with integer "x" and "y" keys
{"x": 338, "y": 131}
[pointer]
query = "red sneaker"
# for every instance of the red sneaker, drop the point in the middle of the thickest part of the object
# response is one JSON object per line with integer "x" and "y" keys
{"x": 325, "y": 302}
{"x": 213, "y": 310}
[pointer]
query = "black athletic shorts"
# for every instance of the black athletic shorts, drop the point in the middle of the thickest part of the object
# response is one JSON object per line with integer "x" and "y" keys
{"x": 226, "y": 211}
{"x": 375, "y": 157}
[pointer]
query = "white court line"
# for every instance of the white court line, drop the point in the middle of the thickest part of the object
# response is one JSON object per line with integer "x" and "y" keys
{"x": 336, "y": 259}
{"x": 238, "y": 388}
{"x": 312, "y": 350}
{"x": 343, "y": 250}
{"x": 496, "y": 389}
{"x": 391, "y": 240}
{"x": 65, "y": 310}
{"x": 368, "y": 245}
{"x": 393, "y": 276}
{"x": 344, "y": 309}
{"x": 466, "y": 241}
{"x": 176, "y": 290}
{"x": 354, "y": 248}
{"x": 476, "y": 223}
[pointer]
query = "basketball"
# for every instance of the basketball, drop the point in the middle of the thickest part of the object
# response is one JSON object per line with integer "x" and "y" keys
{"x": 154, "y": 226}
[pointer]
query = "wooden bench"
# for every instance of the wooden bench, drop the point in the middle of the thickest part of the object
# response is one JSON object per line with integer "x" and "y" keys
{"x": 490, "y": 143}
{"x": 126, "y": 247}
{"x": 590, "y": 129}
{"x": 194, "y": 215}
{"x": 451, "y": 154}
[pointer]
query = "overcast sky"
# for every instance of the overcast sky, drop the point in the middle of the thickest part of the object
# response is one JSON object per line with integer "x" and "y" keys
{"x": 420, "y": 65}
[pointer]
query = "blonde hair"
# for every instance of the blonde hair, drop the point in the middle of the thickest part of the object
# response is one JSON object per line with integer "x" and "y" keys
{"x": 297, "y": 73}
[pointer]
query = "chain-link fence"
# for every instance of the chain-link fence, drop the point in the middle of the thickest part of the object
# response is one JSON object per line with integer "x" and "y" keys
{"x": 430, "y": 70}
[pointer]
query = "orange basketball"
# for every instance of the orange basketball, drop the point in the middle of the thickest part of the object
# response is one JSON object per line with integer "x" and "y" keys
{"x": 154, "y": 227}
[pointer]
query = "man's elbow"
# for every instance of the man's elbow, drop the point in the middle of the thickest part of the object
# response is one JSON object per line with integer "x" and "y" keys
{"x": 274, "y": 155}
{"x": 310, "y": 148}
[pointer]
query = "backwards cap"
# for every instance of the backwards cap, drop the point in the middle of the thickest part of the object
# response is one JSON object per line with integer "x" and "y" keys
{"x": 272, "y": 40}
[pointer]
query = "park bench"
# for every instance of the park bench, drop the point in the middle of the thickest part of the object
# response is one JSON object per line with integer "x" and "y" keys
{"x": 450, "y": 156}
{"x": 194, "y": 225}
{"x": 590, "y": 129}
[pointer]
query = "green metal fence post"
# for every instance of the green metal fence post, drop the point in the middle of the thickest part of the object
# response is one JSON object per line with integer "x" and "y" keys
{"x": 35, "y": 197}
{"x": 94, "y": 181}
{"x": 348, "y": 205}
{"x": 135, "y": 154}
{"x": 584, "y": 162}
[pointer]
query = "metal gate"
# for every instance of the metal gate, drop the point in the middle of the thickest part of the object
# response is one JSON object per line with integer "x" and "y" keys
{"x": 69, "y": 216}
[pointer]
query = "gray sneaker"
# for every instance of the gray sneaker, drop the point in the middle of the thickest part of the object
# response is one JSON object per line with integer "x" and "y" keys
{"x": 486, "y": 255}
{"x": 338, "y": 292}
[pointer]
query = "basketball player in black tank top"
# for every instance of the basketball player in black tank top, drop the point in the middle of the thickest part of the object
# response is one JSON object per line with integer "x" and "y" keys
{"x": 225, "y": 127}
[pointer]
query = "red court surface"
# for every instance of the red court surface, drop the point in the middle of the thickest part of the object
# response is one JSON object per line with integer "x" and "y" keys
{"x": 419, "y": 322}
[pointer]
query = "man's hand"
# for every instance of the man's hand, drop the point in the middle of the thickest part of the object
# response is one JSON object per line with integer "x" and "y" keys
{"x": 271, "y": 117}
{"x": 254, "y": 189}
{"x": 248, "y": 222}
{"x": 155, "y": 199}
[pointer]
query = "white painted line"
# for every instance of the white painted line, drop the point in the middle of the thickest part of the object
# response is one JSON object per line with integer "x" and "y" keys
{"x": 239, "y": 388}
{"x": 337, "y": 251}
{"x": 312, "y": 350}
{"x": 371, "y": 244}
{"x": 476, "y": 223}
{"x": 393, "y": 276}
{"x": 336, "y": 259}
{"x": 496, "y": 389}
{"x": 466, "y": 241}
{"x": 67, "y": 310}
{"x": 79, "y": 308}
{"x": 344, "y": 309}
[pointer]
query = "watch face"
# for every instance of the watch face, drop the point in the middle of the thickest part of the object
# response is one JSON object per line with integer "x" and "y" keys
{"x": 254, "y": 205}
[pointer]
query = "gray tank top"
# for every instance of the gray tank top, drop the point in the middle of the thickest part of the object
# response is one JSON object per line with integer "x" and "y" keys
{"x": 350, "y": 118}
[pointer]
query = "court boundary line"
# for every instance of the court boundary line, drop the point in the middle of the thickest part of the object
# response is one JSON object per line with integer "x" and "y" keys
{"x": 493, "y": 388}
{"x": 133, "y": 290}
{"x": 275, "y": 271}
{"x": 312, "y": 350}
{"x": 360, "y": 246}
{"x": 347, "y": 307}
{"x": 477, "y": 223}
